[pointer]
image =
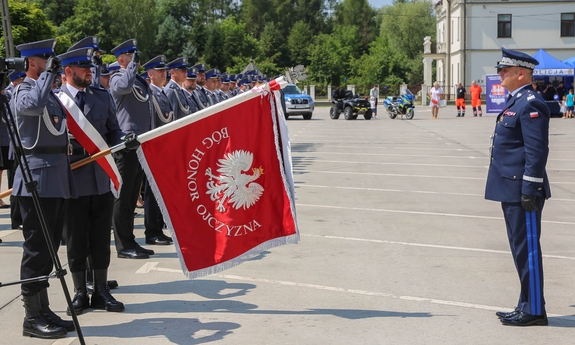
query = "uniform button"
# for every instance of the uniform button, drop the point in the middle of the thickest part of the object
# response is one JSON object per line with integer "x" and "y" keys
{"x": 539, "y": 188}
{"x": 505, "y": 123}
{"x": 514, "y": 177}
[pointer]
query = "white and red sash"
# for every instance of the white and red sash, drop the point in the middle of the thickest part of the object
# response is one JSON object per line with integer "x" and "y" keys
{"x": 91, "y": 140}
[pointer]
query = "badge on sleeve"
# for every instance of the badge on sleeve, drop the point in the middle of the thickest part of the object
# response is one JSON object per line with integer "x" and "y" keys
{"x": 533, "y": 115}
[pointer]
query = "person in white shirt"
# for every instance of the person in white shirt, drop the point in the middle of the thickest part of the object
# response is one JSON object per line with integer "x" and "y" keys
{"x": 436, "y": 95}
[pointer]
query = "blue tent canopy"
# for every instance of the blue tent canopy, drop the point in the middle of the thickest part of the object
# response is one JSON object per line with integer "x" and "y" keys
{"x": 550, "y": 66}
{"x": 570, "y": 61}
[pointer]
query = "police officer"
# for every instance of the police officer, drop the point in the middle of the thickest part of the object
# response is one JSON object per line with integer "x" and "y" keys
{"x": 16, "y": 78}
{"x": 134, "y": 110}
{"x": 190, "y": 88}
{"x": 212, "y": 76}
{"x": 163, "y": 114}
{"x": 41, "y": 122}
{"x": 517, "y": 178}
{"x": 174, "y": 90}
{"x": 92, "y": 42}
{"x": 231, "y": 92}
{"x": 201, "y": 82}
{"x": 89, "y": 217}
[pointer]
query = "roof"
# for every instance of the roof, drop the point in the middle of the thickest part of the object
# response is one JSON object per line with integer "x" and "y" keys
{"x": 549, "y": 65}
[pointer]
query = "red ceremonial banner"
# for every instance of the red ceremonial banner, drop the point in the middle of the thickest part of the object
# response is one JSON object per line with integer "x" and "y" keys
{"x": 221, "y": 184}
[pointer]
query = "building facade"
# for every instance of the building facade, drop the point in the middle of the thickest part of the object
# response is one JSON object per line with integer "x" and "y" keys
{"x": 470, "y": 34}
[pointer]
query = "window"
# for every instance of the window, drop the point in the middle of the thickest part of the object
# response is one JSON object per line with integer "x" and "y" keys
{"x": 503, "y": 25}
{"x": 567, "y": 24}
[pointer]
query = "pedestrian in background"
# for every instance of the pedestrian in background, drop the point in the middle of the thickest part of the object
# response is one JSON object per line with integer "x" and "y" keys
{"x": 374, "y": 93}
{"x": 436, "y": 95}
{"x": 475, "y": 91}
{"x": 460, "y": 100}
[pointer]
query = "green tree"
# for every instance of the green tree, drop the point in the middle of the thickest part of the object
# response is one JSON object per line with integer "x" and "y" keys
{"x": 406, "y": 38}
{"x": 257, "y": 13}
{"x": 57, "y": 11}
{"x": 133, "y": 19}
{"x": 90, "y": 19}
{"x": 171, "y": 38}
{"x": 272, "y": 45}
{"x": 214, "y": 44}
{"x": 298, "y": 43}
{"x": 237, "y": 42}
{"x": 398, "y": 26}
{"x": 358, "y": 13}
{"x": 29, "y": 24}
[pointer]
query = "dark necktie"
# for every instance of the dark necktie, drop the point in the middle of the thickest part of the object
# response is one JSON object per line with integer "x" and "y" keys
{"x": 80, "y": 99}
{"x": 509, "y": 95}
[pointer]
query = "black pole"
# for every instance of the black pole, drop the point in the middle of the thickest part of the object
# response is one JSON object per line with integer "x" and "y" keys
{"x": 32, "y": 188}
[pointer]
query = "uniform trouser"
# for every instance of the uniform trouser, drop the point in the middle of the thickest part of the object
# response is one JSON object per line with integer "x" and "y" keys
{"x": 153, "y": 220}
{"x": 88, "y": 226}
{"x": 36, "y": 260}
{"x": 125, "y": 205}
{"x": 524, "y": 232}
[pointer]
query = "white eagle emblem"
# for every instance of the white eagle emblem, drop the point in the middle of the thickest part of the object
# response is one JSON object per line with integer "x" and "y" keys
{"x": 232, "y": 185}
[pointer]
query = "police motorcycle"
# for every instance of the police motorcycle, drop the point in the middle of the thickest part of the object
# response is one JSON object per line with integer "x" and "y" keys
{"x": 400, "y": 105}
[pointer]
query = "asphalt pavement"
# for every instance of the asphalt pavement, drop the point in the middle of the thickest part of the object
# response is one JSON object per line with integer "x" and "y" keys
{"x": 398, "y": 246}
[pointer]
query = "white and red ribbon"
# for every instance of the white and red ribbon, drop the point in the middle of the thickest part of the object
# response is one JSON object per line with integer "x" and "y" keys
{"x": 91, "y": 140}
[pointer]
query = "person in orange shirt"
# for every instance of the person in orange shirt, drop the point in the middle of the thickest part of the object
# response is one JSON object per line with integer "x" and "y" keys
{"x": 475, "y": 91}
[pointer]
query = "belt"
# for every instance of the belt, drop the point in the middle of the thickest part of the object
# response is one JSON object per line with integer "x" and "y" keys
{"x": 79, "y": 151}
{"x": 47, "y": 150}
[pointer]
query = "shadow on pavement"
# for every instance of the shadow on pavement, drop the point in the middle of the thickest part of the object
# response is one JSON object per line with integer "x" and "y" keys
{"x": 177, "y": 330}
{"x": 211, "y": 289}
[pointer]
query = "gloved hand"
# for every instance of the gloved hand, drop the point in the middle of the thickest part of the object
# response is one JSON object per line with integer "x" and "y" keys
{"x": 136, "y": 57}
{"x": 131, "y": 141}
{"x": 528, "y": 203}
{"x": 53, "y": 65}
{"x": 97, "y": 59}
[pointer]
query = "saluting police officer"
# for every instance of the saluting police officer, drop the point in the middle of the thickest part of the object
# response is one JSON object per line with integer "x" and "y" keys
{"x": 517, "y": 178}
{"x": 41, "y": 122}
{"x": 163, "y": 114}
{"x": 174, "y": 90}
{"x": 134, "y": 110}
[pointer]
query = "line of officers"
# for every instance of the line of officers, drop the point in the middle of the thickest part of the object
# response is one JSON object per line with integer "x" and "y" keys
{"x": 79, "y": 204}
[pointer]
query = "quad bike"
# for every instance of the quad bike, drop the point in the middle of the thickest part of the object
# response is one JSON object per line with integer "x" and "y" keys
{"x": 400, "y": 105}
{"x": 344, "y": 101}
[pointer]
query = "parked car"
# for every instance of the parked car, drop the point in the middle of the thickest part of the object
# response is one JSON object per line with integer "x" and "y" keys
{"x": 297, "y": 103}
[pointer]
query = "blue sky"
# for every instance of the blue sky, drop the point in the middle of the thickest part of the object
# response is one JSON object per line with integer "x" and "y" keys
{"x": 379, "y": 3}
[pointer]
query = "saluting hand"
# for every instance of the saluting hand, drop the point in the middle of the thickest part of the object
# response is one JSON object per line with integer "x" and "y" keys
{"x": 53, "y": 64}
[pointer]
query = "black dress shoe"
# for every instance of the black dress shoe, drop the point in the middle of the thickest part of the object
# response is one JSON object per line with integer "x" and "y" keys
{"x": 506, "y": 314}
{"x": 158, "y": 240}
{"x": 523, "y": 319}
{"x": 167, "y": 238}
{"x": 132, "y": 254}
{"x": 144, "y": 250}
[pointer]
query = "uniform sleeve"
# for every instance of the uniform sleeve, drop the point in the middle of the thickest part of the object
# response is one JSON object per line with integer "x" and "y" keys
{"x": 121, "y": 83}
{"x": 31, "y": 100}
{"x": 96, "y": 74}
{"x": 535, "y": 128}
{"x": 114, "y": 132}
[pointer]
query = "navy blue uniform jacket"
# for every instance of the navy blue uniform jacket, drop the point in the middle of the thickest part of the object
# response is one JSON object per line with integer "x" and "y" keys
{"x": 519, "y": 149}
